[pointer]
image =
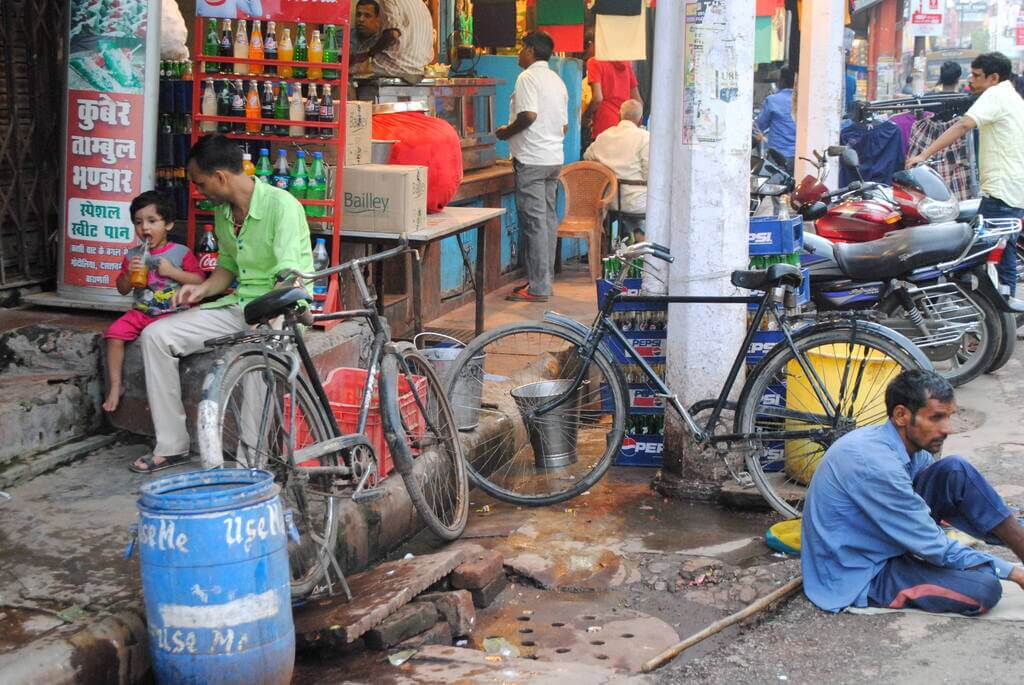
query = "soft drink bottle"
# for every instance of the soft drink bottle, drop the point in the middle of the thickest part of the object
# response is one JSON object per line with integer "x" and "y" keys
{"x": 267, "y": 107}
{"x": 312, "y": 110}
{"x": 264, "y": 170}
{"x": 247, "y": 166}
{"x": 256, "y": 48}
{"x": 209, "y": 106}
{"x": 316, "y": 186}
{"x": 301, "y": 50}
{"x": 241, "y": 48}
{"x": 139, "y": 278}
{"x": 332, "y": 55}
{"x": 238, "y": 106}
{"x": 226, "y": 48}
{"x": 253, "y": 108}
{"x": 281, "y": 108}
{"x": 321, "y": 260}
{"x": 224, "y": 106}
{"x": 298, "y": 179}
{"x": 186, "y": 70}
{"x": 316, "y": 54}
{"x": 296, "y": 110}
{"x": 326, "y": 112}
{"x": 281, "y": 174}
{"x": 270, "y": 47}
{"x": 286, "y": 52}
{"x": 211, "y": 47}
{"x": 207, "y": 250}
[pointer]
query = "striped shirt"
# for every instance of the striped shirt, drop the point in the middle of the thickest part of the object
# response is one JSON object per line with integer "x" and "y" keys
{"x": 414, "y": 48}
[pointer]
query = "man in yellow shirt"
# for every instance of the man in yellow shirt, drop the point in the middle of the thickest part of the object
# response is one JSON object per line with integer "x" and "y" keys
{"x": 998, "y": 114}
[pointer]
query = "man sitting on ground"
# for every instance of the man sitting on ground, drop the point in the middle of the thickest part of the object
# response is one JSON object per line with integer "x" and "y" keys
{"x": 870, "y": 531}
{"x": 625, "y": 149}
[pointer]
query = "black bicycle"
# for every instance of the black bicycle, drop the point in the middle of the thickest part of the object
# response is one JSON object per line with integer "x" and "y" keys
{"x": 264, "y": 406}
{"x": 553, "y": 402}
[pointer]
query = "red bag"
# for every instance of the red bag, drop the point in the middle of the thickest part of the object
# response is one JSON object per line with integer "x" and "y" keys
{"x": 425, "y": 141}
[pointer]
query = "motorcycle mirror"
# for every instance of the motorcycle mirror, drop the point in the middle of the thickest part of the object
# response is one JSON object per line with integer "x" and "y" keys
{"x": 849, "y": 158}
{"x": 813, "y": 211}
{"x": 835, "y": 150}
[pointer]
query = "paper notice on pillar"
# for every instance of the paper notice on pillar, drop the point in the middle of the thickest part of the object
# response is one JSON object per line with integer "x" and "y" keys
{"x": 710, "y": 81}
{"x": 385, "y": 198}
{"x": 621, "y": 38}
{"x": 926, "y": 17}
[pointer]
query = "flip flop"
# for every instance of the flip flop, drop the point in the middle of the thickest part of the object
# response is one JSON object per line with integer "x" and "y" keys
{"x": 153, "y": 467}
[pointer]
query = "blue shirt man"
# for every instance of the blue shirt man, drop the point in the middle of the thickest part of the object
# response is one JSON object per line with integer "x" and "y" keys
{"x": 776, "y": 117}
{"x": 870, "y": 533}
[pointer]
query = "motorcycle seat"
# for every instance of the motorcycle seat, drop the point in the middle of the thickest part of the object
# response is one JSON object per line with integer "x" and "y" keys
{"x": 900, "y": 252}
{"x": 774, "y": 275}
{"x": 969, "y": 209}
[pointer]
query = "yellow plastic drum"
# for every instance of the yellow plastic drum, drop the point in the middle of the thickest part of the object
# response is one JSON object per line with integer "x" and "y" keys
{"x": 802, "y": 456}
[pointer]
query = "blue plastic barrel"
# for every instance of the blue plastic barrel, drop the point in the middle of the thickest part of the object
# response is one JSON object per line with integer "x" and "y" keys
{"x": 214, "y": 565}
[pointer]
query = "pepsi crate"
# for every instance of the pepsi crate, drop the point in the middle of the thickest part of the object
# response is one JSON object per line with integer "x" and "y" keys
{"x": 641, "y": 450}
{"x": 640, "y": 399}
{"x": 647, "y": 344}
{"x": 762, "y": 344}
{"x": 634, "y": 286}
{"x": 803, "y": 296}
{"x": 771, "y": 236}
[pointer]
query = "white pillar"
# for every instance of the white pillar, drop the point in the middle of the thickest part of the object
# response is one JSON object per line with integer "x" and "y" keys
{"x": 820, "y": 80}
{"x": 702, "y": 206}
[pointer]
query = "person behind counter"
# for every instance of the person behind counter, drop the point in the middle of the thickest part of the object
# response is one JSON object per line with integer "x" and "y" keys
{"x": 366, "y": 34}
{"x": 406, "y": 44}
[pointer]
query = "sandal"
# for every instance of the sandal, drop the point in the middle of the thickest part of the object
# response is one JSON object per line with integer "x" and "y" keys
{"x": 152, "y": 467}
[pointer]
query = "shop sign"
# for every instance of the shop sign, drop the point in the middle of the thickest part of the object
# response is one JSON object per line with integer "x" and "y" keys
{"x": 926, "y": 17}
{"x": 104, "y": 146}
{"x": 313, "y": 11}
{"x": 972, "y": 10}
{"x": 1020, "y": 28}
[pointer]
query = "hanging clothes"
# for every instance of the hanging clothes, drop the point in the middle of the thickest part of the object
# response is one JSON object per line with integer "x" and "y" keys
{"x": 621, "y": 8}
{"x": 621, "y": 38}
{"x": 952, "y": 162}
{"x": 906, "y": 121}
{"x": 879, "y": 147}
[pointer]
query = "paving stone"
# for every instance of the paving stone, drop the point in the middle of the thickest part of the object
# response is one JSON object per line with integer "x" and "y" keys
{"x": 410, "y": 620}
{"x": 455, "y": 607}
{"x": 483, "y": 597}
{"x": 478, "y": 571}
{"x": 438, "y": 634}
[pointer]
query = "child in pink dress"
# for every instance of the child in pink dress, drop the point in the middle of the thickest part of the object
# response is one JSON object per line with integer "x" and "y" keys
{"x": 170, "y": 266}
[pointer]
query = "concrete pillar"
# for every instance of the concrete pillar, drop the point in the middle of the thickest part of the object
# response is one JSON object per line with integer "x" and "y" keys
{"x": 701, "y": 205}
{"x": 819, "y": 90}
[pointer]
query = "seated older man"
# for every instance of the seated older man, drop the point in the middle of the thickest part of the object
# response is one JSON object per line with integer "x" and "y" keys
{"x": 625, "y": 149}
{"x": 870, "y": 529}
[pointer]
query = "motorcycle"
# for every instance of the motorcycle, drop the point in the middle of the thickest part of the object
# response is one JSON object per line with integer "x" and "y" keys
{"x": 769, "y": 178}
{"x": 935, "y": 284}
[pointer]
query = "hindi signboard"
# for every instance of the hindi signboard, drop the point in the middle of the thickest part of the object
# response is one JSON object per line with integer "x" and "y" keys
{"x": 309, "y": 11}
{"x": 926, "y": 17}
{"x": 109, "y": 140}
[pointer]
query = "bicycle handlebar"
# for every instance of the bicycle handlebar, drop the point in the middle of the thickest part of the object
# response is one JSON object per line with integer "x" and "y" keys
{"x": 403, "y": 246}
{"x": 645, "y": 248}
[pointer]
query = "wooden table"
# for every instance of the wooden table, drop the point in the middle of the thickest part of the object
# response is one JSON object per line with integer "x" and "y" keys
{"x": 451, "y": 221}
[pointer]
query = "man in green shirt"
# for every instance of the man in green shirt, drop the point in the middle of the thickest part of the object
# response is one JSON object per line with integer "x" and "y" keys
{"x": 261, "y": 232}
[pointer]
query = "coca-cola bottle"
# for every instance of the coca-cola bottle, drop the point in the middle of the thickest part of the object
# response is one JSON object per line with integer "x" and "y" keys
{"x": 207, "y": 250}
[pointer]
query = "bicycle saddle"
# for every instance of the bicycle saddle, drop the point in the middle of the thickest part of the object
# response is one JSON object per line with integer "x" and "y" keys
{"x": 274, "y": 303}
{"x": 774, "y": 275}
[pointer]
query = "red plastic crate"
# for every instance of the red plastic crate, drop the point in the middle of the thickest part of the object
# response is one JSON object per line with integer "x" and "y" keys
{"x": 344, "y": 387}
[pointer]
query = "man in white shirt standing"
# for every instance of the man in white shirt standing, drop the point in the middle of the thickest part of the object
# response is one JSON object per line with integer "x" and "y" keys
{"x": 407, "y": 43}
{"x": 626, "y": 149}
{"x": 538, "y": 118}
{"x": 998, "y": 114}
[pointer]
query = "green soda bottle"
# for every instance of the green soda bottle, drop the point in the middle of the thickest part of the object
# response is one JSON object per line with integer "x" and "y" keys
{"x": 281, "y": 108}
{"x": 316, "y": 186}
{"x": 301, "y": 51}
{"x": 299, "y": 177}
{"x": 331, "y": 52}
{"x": 264, "y": 170}
{"x": 211, "y": 47}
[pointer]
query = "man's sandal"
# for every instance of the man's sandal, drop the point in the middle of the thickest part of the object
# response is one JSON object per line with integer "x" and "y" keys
{"x": 151, "y": 466}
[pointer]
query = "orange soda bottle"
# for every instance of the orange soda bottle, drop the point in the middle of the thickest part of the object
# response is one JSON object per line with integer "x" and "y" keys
{"x": 256, "y": 48}
{"x": 252, "y": 108}
{"x": 316, "y": 54}
{"x": 285, "y": 52}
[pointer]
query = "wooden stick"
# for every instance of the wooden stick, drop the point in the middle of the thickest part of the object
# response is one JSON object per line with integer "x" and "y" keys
{"x": 719, "y": 626}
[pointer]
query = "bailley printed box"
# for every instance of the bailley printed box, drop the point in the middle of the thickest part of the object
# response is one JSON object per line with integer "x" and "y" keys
{"x": 389, "y": 198}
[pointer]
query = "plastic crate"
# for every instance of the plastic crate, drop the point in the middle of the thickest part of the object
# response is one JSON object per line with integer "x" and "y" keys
{"x": 641, "y": 450}
{"x": 634, "y": 286}
{"x": 640, "y": 397}
{"x": 344, "y": 387}
{"x": 771, "y": 236}
{"x": 648, "y": 344}
{"x": 762, "y": 344}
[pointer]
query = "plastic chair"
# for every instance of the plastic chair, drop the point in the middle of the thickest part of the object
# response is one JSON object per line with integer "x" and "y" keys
{"x": 589, "y": 188}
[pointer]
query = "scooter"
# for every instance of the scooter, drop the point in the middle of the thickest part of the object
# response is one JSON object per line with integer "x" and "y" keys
{"x": 936, "y": 284}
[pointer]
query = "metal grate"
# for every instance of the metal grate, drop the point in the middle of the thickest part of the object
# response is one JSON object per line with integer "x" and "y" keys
{"x": 32, "y": 77}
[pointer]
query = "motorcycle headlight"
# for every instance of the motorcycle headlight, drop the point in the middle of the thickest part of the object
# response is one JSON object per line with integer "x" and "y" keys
{"x": 937, "y": 211}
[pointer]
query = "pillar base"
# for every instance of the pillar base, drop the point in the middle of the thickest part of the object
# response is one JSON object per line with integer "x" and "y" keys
{"x": 670, "y": 485}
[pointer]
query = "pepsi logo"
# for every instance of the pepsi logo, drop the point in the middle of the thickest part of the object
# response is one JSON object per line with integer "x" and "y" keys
{"x": 628, "y": 448}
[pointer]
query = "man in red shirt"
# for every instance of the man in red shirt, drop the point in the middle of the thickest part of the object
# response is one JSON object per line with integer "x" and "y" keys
{"x": 612, "y": 84}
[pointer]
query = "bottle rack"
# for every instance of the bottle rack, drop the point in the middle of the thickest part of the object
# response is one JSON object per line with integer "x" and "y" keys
{"x": 320, "y": 226}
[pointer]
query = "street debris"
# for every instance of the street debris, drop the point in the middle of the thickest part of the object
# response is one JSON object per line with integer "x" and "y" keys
{"x": 399, "y": 658}
{"x": 500, "y": 646}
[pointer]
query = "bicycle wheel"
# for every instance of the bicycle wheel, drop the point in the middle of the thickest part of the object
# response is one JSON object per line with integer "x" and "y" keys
{"x": 802, "y": 410}
{"x": 256, "y": 411}
{"x": 420, "y": 428}
{"x": 520, "y": 457}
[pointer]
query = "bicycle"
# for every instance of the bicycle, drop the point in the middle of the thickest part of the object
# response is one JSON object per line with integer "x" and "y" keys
{"x": 820, "y": 381}
{"x": 264, "y": 406}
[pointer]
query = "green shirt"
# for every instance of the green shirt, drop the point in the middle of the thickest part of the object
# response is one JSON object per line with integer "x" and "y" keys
{"x": 274, "y": 237}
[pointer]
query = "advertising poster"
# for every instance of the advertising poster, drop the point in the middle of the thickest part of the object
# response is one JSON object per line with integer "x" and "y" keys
{"x": 104, "y": 138}
{"x": 926, "y": 17}
{"x": 312, "y": 11}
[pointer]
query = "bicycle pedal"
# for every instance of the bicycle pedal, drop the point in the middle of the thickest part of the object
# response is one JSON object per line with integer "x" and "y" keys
{"x": 367, "y": 495}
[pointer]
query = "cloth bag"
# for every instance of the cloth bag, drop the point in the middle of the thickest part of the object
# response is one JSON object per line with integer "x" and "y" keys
{"x": 423, "y": 140}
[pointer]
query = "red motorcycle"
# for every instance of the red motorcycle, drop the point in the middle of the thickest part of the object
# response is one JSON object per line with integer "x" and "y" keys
{"x": 863, "y": 211}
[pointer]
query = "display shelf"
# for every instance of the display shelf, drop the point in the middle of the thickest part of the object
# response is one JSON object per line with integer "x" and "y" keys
{"x": 329, "y": 225}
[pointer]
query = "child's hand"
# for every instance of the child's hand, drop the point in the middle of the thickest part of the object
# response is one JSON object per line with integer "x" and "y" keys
{"x": 165, "y": 268}
{"x": 134, "y": 264}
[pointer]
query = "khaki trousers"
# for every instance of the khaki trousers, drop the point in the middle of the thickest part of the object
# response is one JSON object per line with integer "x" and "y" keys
{"x": 163, "y": 344}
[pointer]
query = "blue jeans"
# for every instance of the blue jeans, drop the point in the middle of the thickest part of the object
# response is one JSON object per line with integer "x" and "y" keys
{"x": 955, "y": 492}
{"x": 994, "y": 208}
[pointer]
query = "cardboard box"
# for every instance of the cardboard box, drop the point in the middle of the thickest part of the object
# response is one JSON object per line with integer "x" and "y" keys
{"x": 389, "y": 198}
{"x": 358, "y": 132}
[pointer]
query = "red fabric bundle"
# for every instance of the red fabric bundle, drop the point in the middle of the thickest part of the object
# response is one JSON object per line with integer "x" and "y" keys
{"x": 425, "y": 141}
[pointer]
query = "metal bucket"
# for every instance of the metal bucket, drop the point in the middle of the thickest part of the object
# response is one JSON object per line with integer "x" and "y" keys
{"x": 465, "y": 398}
{"x": 380, "y": 151}
{"x": 553, "y": 435}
